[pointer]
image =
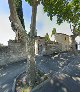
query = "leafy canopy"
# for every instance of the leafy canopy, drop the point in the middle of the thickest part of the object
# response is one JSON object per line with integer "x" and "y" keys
{"x": 65, "y": 10}
{"x": 61, "y": 8}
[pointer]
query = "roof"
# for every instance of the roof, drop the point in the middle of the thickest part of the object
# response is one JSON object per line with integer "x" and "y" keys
{"x": 39, "y": 37}
{"x": 62, "y": 34}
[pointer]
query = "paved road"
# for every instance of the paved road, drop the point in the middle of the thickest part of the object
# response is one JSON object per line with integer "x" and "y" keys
{"x": 63, "y": 63}
{"x": 54, "y": 86}
{"x": 8, "y": 73}
{"x": 67, "y": 66}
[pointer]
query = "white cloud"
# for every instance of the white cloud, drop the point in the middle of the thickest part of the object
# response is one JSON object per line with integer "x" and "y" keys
{"x": 27, "y": 25}
{"x": 49, "y": 25}
{"x": 6, "y": 32}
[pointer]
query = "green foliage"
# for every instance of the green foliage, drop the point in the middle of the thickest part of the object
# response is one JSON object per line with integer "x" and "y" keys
{"x": 75, "y": 18}
{"x": 47, "y": 37}
{"x": 75, "y": 9}
{"x": 65, "y": 10}
{"x": 54, "y": 7}
{"x": 29, "y": 1}
{"x": 53, "y": 32}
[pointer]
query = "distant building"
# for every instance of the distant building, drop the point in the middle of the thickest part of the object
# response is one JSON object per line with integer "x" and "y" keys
{"x": 39, "y": 44}
{"x": 52, "y": 47}
{"x": 64, "y": 40}
{"x": 45, "y": 48}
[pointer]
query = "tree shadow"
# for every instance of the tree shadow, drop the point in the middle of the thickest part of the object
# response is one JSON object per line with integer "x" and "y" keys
{"x": 62, "y": 63}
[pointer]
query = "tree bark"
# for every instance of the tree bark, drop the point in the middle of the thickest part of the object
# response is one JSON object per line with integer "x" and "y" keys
{"x": 32, "y": 64}
{"x": 74, "y": 50}
{"x": 15, "y": 19}
{"x": 33, "y": 19}
{"x": 29, "y": 41}
{"x": 74, "y": 42}
{"x": 18, "y": 4}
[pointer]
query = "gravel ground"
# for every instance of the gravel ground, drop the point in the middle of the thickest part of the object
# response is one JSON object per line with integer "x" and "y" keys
{"x": 63, "y": 65}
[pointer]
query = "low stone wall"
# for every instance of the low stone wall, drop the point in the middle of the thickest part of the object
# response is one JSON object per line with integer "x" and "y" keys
{"x": 14, "y": 52}
{"x": 52, "y": 48}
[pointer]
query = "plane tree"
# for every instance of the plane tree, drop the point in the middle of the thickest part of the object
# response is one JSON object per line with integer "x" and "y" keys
{"x": 65, "y": 10}
{"x": 28, "y": 42}
{"x": 18, "y": 4}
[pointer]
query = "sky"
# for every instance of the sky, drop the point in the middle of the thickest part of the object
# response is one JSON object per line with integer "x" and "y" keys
{"x": 43, "y": 26}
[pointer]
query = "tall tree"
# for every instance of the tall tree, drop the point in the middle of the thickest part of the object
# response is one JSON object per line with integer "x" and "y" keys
{"x": 75, "y": 21}
{"x": 60, "y": 8}
{"x": 34, "y": 4}
{"x": 32, "y": 65}
{"x": 14, "y": 19}
{"x": 18, "y": 4}
{"x": 28, "y": 42}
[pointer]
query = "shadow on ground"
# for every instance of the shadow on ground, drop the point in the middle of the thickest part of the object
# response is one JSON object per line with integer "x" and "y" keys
{"x": 65, "y": 67}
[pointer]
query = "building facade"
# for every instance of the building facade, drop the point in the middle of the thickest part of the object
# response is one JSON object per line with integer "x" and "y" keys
{"x": 39, "y": 45}
{"x": 46, "y": 48}
{"x": 64, "y": 40}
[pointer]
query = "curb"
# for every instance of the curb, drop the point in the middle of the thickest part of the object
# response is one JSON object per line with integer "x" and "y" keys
{"x": 14, "y": 83}
{"x": 33, "y": 90}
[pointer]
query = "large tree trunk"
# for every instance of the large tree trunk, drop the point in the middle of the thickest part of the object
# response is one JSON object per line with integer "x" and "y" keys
{"x": 29, "y": 41}
{"x": 33, "y": 19}
{"x": 74, "y": 49}
{"x": 32, "y": 64}
{"x": 15, "y": 20}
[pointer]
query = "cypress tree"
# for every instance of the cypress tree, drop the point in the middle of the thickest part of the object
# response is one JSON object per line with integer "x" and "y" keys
{"x": 19, "y": 10}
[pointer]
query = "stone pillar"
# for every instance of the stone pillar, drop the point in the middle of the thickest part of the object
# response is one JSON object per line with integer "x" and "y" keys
{"x": 36, "y": 47}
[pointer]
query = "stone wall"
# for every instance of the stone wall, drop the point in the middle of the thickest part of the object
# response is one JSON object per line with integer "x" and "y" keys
{"x": 51, "y": 48}
{"x": 46, "y": 48}
{"x": 15, "y": 51}
{"x": 64, "y": 40}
